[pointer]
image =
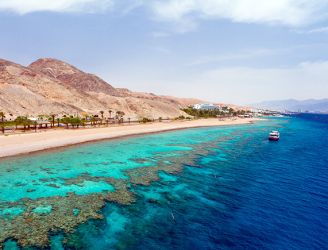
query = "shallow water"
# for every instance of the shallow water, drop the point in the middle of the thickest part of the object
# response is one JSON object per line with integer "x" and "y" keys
{"x": 237, "y": 190}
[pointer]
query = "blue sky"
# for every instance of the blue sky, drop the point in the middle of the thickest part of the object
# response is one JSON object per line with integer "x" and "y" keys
{"x": 236, "y": 51}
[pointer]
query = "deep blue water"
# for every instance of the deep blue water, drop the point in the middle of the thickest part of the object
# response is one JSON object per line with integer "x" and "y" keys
{"x": 262, "y": 196}
{"x": 245, "y": 193}
{"x": 313, "y": 117}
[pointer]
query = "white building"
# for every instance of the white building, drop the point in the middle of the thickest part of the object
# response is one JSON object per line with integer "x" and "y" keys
{"x": 205, "y": 106}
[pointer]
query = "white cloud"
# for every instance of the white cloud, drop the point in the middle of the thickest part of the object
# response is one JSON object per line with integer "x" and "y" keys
{"x": 27, "y": 6}
{"x": 185, "y": 14}
{"x": 292, "y": 13}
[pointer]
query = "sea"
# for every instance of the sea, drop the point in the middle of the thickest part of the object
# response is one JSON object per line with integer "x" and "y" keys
{"x": 224, "y": 187}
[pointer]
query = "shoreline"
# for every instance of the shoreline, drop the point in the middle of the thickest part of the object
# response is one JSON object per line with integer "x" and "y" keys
{"x": 24, "y": 144}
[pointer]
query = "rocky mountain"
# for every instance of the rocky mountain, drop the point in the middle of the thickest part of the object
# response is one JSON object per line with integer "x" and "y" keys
{"x": 72, "y": 77}
{"x": 311, "y": 105}
{"x": 52, "y": 86}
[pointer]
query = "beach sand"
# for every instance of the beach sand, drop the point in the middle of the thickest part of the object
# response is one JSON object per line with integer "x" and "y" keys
{"x": 17, "y": 144}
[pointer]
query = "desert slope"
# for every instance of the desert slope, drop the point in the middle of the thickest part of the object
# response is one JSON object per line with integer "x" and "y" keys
{"x": 52, "y": 86}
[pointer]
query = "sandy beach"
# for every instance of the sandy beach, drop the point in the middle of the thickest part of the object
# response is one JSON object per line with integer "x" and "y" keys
{"x": 17, "y": 144}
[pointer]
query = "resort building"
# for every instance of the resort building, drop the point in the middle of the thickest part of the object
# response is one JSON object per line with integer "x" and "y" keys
{"x": 205, "y": 106}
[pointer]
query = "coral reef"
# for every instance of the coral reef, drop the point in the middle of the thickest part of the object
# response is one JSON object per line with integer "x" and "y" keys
{"x": 30, "y": 221}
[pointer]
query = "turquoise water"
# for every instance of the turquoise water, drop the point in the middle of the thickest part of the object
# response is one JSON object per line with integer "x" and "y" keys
{"x": 216, "y": 188}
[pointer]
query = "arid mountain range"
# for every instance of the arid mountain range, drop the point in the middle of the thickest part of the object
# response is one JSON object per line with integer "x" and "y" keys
{"x": 51, "y": 86}
{"x": 310, "y": 105}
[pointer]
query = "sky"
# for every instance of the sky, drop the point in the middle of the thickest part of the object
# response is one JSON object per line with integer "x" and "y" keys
{"x": 232, "y": 51}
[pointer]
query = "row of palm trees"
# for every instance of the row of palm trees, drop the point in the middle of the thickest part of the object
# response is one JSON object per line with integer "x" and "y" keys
{"x": 74, "y": 121}
{"x": 68, "y": 120}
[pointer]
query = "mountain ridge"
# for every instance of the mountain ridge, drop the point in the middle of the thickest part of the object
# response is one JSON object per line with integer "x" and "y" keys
{"x": 52, "y": 86}
{"x": 293, "y": 105}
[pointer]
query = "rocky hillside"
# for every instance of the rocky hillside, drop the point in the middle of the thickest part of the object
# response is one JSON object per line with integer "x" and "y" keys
{"x": 72, "y": 77}
{"x": 52, "y": 86}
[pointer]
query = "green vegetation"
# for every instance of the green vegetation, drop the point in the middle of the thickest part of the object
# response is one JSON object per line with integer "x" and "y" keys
{"x": 73, "y": 121}
{"x": 181, "y": 117}
{"x": 144, "y": 120}
{"x": 52, "y": 120}
{"x": 24, "y": 121}
{"x": 206, "y": 113}
{"x": 224, "y": 112}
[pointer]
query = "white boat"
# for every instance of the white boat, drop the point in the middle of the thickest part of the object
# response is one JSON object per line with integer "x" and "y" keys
{"x": 274, "y": 136}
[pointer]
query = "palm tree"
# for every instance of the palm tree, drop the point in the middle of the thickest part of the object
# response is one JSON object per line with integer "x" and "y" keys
{"x": 53, "y": 119}
{"x": 35, "y": 124}
{"x": 122, "y": 114}
{"x": 2, "y": 116}
{"x": 102, "y": 116}
{"x": 94, "y": 119}
{"x": 119, "y": 115}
